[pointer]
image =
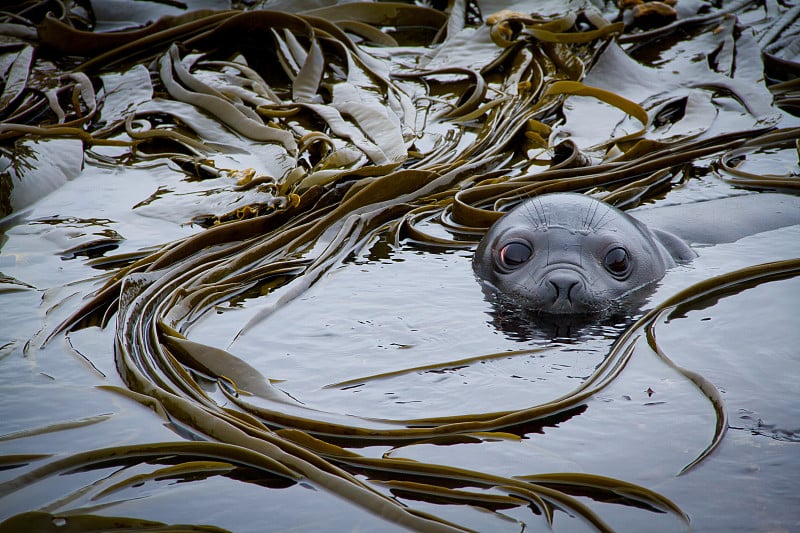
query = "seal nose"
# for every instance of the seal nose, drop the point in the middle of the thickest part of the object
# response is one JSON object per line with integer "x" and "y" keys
{"x": 563, "y": 283}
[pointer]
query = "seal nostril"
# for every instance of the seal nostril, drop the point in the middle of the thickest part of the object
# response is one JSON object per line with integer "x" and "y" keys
{"x": 563, "y": 283}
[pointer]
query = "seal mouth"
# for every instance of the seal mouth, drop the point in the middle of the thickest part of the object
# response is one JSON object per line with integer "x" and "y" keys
{"x": 565, "y": 308}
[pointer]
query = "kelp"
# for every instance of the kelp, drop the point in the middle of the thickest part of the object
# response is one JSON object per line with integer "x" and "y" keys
{"x": 84, "y": 523}
{"x": 356, "y": 136}
{"x": 694, "y": 297}
{"x": 780, "y": 139}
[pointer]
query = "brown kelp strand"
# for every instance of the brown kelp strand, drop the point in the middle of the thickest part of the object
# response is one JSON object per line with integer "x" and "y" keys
{"x": 730, "y": 162}
{"x": 533, "y": 490}
{"x": 644, "y": 331}
{"x": 614, "y": 176}
{"x": 44, "y": 521}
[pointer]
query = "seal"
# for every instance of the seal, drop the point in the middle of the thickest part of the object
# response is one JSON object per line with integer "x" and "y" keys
{"x": 570, "y": 254}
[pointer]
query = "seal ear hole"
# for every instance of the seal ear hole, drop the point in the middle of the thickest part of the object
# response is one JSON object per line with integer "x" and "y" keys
{"x": 514, "y": 254}
{"x": 618, "y": 262}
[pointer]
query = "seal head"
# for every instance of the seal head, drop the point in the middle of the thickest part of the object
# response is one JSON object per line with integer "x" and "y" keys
{"x": 567, "y": 253}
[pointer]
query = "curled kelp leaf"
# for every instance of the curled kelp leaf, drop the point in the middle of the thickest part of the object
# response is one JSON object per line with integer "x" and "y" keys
{"x": 204, "y": 97}
{"x": 729, "y": 163}
{"x": 566, "y": 154}
{"x": 409, "y": 229}
{"x": 579, "y": 89}
{"x": 506, "y": 26}
{"x": 677, "y": 304}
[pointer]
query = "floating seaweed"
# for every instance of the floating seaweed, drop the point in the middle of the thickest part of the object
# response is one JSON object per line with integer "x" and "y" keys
{"x": 359, "y": 122}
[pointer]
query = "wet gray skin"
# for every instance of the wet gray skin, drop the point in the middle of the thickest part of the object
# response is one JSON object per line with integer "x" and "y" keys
{"x": 566, "y": 253}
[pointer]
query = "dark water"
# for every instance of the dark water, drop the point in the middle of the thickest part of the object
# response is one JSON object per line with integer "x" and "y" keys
{"x": 396, "y": 332}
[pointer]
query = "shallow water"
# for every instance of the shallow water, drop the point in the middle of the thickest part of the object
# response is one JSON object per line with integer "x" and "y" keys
{"x": 406, "y": 309}
{"x": 391, "y": 337}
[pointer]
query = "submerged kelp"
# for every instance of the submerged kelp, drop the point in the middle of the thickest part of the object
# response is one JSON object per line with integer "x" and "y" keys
{"x": 318, "y": 134}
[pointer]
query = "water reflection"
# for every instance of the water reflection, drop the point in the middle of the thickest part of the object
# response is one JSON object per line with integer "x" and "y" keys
{"x": 474, "y": 416}
{"x": 523, "y": 325}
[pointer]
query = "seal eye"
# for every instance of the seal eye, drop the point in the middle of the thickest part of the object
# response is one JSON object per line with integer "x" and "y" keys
{"x": 514, "y": 254}
{"x": 617, "y": 262}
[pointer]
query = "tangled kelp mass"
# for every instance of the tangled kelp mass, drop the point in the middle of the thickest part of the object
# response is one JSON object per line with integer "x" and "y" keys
{"x": 321, "y": 140}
